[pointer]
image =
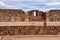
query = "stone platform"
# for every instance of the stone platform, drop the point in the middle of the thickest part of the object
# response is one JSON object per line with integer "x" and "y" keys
{"x": 21, "y": 23}
{"x": 31, "y": 37}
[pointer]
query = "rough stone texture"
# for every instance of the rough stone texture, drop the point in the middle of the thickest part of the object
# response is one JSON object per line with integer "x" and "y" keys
{"x": 54, "y": 15}
{"x": 13, "y": 15}
{"x": 10, "y": 15}
{"x": 38, "y": 17}
{"x": 29, "y": 30}
{"x": 20, "y": 30}
{"x": 19, "y": 16}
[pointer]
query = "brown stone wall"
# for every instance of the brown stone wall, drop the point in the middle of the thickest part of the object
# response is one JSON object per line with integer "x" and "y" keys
{"x": 38, "y": 16}
{"x": 20, "y": 30}
{"x": 29, "y": 30}
{"x": 11, "y": 15}
{"x": 18, "y": 15}
{"x": 8, "y": 15}
{"x": 54, "y": 15}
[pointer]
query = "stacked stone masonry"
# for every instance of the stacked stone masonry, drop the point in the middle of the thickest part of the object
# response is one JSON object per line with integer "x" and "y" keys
{"x": 8, "y": 15}
{"x": 53, "y": 15}
{"x": 31, "y": 30}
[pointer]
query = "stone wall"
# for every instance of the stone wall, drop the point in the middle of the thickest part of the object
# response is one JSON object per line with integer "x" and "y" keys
{"x": 38, "y": 16}
{"x": 54, "y": 15}
{"x": 20, "y": 30}
{"x": 19, "y": 16}
{"x": 29, "y": 30}
{"x": 8, "y": 15}
{"x": 13, "y": 15}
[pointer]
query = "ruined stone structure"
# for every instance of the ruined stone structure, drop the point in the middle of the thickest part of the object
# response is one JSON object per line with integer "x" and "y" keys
{"x": 35, "y": 22}
{"x": 28, "y": 30}
{"x": 22, "y": 30}
{"x": 54, "y": 15}
{"x": 35, "y": 15}
{"x": 53, "y": 22}
{"x": 8, "y": 15}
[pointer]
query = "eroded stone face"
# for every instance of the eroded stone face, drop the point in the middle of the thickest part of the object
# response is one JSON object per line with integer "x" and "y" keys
{"x": 35, "y": 15}
{"x": 28, "y": 30}
{"x": 9, "y": 15}
{"x": 52, "y": 30}
{"x": 54, "y": 15}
